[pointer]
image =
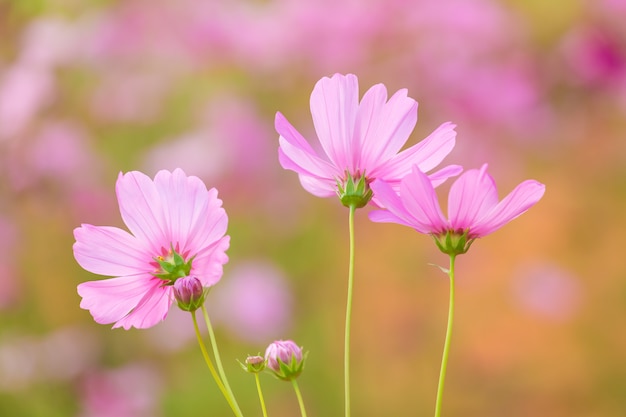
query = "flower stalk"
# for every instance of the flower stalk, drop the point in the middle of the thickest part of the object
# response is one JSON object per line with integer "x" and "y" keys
{"x": 218, "y": 361}
{"x": 446, "y": 346}
{"x": 349, "y": 312}
{"x": 211, "y": 367}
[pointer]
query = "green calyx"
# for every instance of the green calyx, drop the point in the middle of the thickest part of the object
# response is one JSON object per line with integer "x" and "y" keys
{"x": 354, "y": 193}
{"x": 291, "y": 370}
{"x": 173, "y": 266}
{"x": 453, "y": 242}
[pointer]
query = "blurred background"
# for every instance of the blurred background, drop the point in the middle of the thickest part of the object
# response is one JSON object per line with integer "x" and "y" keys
{"x": 537, "y": 89}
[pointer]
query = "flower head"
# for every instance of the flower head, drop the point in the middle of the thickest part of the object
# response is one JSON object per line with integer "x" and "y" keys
{"x": 177, "y": 229}
{"x": 360, "y": 140}
{"x": 285, "y": 359}
{"x": 473, "y": 207}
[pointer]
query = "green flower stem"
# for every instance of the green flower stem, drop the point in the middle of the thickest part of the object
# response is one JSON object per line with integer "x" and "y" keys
{"x": 209, "y": 363}
{"x": 349, "y": 313}
{"x": 218, "y": 361}
{"x": 446, "y": 346}
{"x": 258, "y": 388}
{"x": 299, "y": 395}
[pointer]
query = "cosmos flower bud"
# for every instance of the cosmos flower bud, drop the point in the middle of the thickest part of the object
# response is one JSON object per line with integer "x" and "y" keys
{"x": 254, "y": 364}
{"x": 285, "y": 359}
{"x": 189, "y": 293}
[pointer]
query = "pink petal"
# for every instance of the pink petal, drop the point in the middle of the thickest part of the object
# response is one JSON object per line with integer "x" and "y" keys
{"x": 427, "y": 154}
{"x": 319, "y": 187}
{"x": 419, "y": 198}
{"x": 440, "y": 176}
{"x": 383, "y": 127}
{"x": 110, "y": 300}
{"x": 296, "y": 154}
{"x": 150, "y": 310}
{"x": 110, "y": 251}
{"x": 523, "y": 197}
{"x": 208, "y": 264}
{"x": 193, "y": 216}
{"x": 142, "y": 209}
{"x": 334, "y": 107}
{"x": 395, "y": 211}
{"x": 471, "y": 196}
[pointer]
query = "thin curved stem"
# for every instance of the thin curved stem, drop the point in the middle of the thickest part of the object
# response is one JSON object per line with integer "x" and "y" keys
{"x": 300, "y": 402}
{"x": 349, "y": 313}
{"x": 446, "y": 346}
{"x": 218, "y": 361}
{"x": 209, "y": 363}
{"x": 258, "y": 388}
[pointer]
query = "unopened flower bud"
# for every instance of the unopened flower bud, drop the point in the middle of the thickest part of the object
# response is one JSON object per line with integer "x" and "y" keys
{"x": 285, "y": 359}
{"x": 253, "y": 364}
{"x": 189, "y": 293}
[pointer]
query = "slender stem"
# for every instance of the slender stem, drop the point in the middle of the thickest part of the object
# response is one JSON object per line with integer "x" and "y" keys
{"x": 446, "y": 346}
{"x": 349, "y": 313}
{"x": 258, "y": 388}
{"x": 297, "y": 389}
{"x": 218, "y": 361}
{"x": 209, "y": 363}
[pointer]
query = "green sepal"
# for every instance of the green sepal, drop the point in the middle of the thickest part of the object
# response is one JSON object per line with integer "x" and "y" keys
{"x": 452, "y": 242}
{"x": 353, "y": 194}
{"x": 291, "y": 370}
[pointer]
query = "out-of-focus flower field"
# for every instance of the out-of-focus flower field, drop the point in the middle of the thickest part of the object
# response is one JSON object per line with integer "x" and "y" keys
{"x": 537, "y": 89}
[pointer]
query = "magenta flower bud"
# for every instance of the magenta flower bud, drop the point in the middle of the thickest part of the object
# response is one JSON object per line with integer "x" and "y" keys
{"x": 285, "y": 359}
{"x": 189, "y": 293}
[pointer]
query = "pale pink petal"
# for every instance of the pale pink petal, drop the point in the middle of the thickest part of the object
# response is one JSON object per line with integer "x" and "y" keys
{"x": 334, "y": 107}
{"x": 210, "y": 227}
{"x": 197, "y": 219}
{"x": 471, "y": 196}
{"x": 109, "y": 251}
{"x": 110, "y": 300}
{"x": 427, "y": 154}
{"x": 150, "y": 310}
{"x": 319, "y": 187}
{"x": 421, "y": 201}
{"x": 296, "y": 154}
{"x": 208, "y": 264}
{"x": 395, "y": 211}
{"x": 523, "y": 197}
{"x": 142, "y": 210}
{"x": 440, "y": 176}
{"x": 383, "y": 127}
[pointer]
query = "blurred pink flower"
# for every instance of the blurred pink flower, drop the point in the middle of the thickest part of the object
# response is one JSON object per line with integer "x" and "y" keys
{"x": 473, "y": 205}
{"x": 131, "y": 391}
{"x": 204, "y": 152}
{"x": 360, "y": 138}
{"x": 177, "y": 230}
{"x": 547, "y": 290}
{"x": 24, "y": 91}
{"x": 58, "y": 151}
{"x": 255, "y": 303}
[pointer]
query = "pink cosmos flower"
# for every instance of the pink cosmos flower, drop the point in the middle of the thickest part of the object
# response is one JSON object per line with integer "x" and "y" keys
{"x": 360, "y": 139}
{"x": 473, "y": 207}
{"x": 177, "y": 229}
